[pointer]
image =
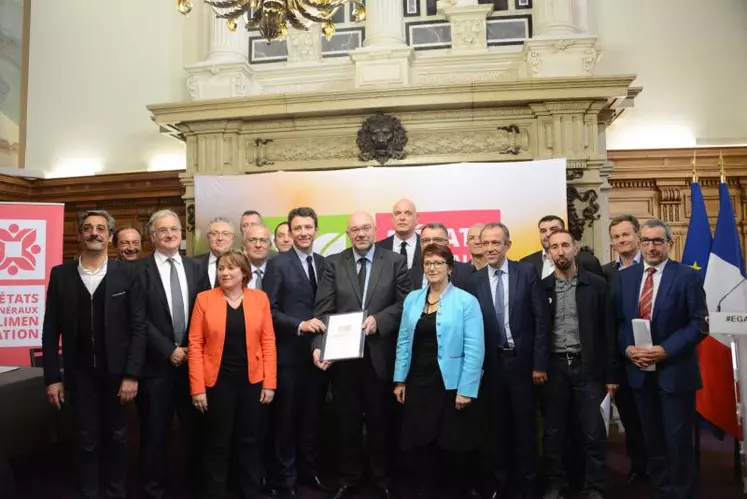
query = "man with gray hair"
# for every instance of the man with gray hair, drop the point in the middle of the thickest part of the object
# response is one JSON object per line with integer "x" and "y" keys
{"x": 437, "y": 233}
{"x": 170, "y": 284}
{"x": 220, "y": 235}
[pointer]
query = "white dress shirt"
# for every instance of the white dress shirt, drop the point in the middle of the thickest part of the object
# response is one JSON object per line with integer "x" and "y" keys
{"x": 164, "y": 270}
{"x": 657, "y": 280}
{"x": 636, "y": 260}
{"x": 212, "y": 268}
{"x": 410, "y": 248}
{"x": 506, "y": 298}
{"x": 302, "y": 256}
{"x": 548, "y": 266}
{"x": 92, "y": 278}
{"x": 262, "y": 271}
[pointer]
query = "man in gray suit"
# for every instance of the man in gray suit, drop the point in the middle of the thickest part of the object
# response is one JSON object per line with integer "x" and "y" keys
{"x": 363, "y": 277}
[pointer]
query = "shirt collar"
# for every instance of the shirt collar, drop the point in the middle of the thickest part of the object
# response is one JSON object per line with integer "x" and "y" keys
{"x": 212, "y": 258}
{"x": 636, "y": 260}
{"x": 302, "y": 255}
{"x": 411, "y": 241}
{"x": 659, "y": 268}
{"x": 84, "y": 270}
{"x": 161, "y": 258}
{"x": 261, "y": 268}
{"x": 503, "y": 267}
{"x": 368, "y": 256}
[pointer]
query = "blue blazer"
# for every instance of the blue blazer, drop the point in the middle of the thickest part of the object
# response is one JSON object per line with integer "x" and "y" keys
{"x": 459, "y": 331}
{"x": 676, "y": 324}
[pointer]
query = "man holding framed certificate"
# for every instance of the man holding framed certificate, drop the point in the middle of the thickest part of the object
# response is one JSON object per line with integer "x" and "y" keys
{"x": 362, "y": 290}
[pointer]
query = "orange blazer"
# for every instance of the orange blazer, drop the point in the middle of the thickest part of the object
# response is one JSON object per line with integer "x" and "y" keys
{"x": 207, "y": 334}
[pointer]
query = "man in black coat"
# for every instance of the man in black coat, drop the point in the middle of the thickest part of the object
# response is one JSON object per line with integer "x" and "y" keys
{"x": 437, "y": 233}
{"x": 220, "y": 234}
{"x": 405, "y": 240}
{"x": 94, "y": 303}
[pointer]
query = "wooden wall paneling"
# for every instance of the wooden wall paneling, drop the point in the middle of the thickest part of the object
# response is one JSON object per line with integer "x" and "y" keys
{"x": 15, "y": 188}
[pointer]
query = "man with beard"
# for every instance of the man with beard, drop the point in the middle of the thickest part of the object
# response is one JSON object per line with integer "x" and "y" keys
{"x": 583, "y": 365}
{"x": 127, "y": 243}
{"x": 368, "y": 278}
{"x": 95, "y": 305}
{"x": 405, "y": 240}
{"x": 291, "y": 283}
{"x": 283, "y": 238}
{"x": 257, "y": 247}
{"x": 220, "y": 238}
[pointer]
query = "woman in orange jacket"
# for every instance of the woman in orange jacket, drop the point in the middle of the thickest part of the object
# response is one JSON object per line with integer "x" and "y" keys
{"x": 232, "y": 371}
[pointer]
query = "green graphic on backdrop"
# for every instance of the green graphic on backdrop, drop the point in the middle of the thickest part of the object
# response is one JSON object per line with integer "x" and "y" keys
{"x": 330, "y": 238}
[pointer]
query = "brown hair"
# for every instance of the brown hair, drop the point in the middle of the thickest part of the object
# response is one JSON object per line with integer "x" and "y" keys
{"x": 438, "y": 250}
{"x": 236, "y": 257}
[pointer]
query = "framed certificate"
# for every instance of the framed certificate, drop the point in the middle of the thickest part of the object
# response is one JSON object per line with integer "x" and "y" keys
{"x": 344, "y": 338}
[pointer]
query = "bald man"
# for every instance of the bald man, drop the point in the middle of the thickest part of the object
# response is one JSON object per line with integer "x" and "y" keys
{"x": 474, "y": 244}
{"x": 364, "y": 277}
{"x": 405, "y": 240}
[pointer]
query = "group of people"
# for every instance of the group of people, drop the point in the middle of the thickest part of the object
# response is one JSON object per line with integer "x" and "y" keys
{"x": 460, "y": 360}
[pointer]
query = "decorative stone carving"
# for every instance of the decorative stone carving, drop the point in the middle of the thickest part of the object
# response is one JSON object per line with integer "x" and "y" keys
{"x": 312, "y": 149}
{"x": 190, "y": 217}
{"x": 670, "y": 200}
{"x": 590, "y": 213}
{"x": 468, "y": 34}
{"x": 513, "y": 141}
{"x": 382, "y": 137}
{"x": 305, "y": 46}
{"x": 573, "y": 174}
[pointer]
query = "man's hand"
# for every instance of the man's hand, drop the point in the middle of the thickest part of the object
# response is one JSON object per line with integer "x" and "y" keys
{"x": 638, "y": 356}
{"x": 399, "y": 392}
{"x": 317, "y": 354}
{"x": 612, "y": 389}
{"x": 199, "y": 400}
{"x": 267, "y": 396}
{"x": 178, "y": 356}
{"x": 127, "y": 390}
{"x": 539, "y": 377}
{"x": 461, "y": 402}
{"x": 369, "y": 325}
{"x": 56, "y": 395}
{"x": 655, "y": 354}
{"x": 313, "y": 326}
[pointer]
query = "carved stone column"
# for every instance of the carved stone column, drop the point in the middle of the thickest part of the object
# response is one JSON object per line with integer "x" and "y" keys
{"x": 226, "y": 71}
{"x": 384, "y": 58}
{"x": 561, "y": 45}
{"x": 468, "y": 24}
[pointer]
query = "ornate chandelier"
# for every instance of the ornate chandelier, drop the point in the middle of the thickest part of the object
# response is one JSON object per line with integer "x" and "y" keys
{"x": 273, "y": 17}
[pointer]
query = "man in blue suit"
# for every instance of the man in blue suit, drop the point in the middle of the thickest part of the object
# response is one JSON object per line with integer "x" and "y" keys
{"x": 671, "y": 296}
{"x": 514, "y": 312}
{"x": 291, "y": 283}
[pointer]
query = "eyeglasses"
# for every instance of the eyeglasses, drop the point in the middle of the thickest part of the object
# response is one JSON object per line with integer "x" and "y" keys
{"x": 657, "y": 241}
{"x": 433, "y": 240}
{"x": 163, "y": 231}
{"x": 255, "y": 240}
{"x": 436, "y": 265}
{"x": 224, "y": 234}
{"x": 365, "y": 228}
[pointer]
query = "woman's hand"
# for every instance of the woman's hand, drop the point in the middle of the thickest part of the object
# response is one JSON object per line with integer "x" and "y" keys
{"x": 200, "y": 402}
{"x": 267, "y": 396}
{"x": 399, "y": 392}
{"x": 461, "y": 402}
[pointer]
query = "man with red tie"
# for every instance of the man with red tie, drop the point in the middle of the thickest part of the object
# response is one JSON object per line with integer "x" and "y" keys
{"x": 669, "y": 295}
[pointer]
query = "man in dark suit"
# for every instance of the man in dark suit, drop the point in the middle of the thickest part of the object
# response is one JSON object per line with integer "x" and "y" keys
{"x": 291, "y": 283}
{"x": 94, "y": 304}
{"x": 671, "y": 296}
{"x": 543, "y": 263}
{"x": 437, "y": 233}
{"x": 515, "y": 317}
{"x": 363, "y": 278}
{"x": 220, "y": 238}
{"x": 583, "y": 365}
{"x": 170, "y": 284}
{"x": 248, "y": 219}
{"x": 624, "y": 233}
{"x": 405, "y": 240}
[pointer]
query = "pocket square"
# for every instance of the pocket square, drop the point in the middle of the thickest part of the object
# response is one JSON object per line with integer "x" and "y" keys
{"x": 119, "y": 294}
{"x": 549, "y": 300}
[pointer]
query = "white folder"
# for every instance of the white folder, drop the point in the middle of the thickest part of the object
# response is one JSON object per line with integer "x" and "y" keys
{"x": 642, "y": 337}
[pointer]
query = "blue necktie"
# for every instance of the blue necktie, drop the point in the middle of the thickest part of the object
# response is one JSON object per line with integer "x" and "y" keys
{"x": 499, "y": 309}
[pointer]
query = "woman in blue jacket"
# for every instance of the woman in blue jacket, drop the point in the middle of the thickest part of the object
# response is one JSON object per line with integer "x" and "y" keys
{"x": 437, "y": 372}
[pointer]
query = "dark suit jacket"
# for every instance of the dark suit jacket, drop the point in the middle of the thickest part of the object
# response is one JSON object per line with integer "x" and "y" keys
{"x": 292, "y": 302}
{"x": 460, "y": 275}
{"x": 611, "y": 272}
{"x": 203, "y": 260}
{"x": 388, "y": 243}
{"x": 584, "y": 259}
{"x": 388, "y": 285}
{"x": 677, "y": 324}
{"x": 596, "y": 326}
{"x": 527, "y": 315}
{"x": 159, "y": 327}
{"x": 124, "y": 332}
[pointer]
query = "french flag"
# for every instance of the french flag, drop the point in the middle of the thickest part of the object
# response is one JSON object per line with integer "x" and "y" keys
{"x": 726, "y": 291}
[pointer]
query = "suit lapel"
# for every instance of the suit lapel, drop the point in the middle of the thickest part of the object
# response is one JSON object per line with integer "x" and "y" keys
{"x": 667, "y": 277}
{"x": 353, "y": 275}
{"x": 486, "y": 296}
{"x": 635, "y": 291}
{"x": 297, "y": 266}
{"x": 156, "y": 283}
{"x": 513, "y": 286}
{"x": 416, "y": 275}
{"x": 376, "y": 266}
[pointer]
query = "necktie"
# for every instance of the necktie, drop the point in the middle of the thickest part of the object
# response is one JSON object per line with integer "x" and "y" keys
{"x": 258, "y": 279}
{"x": 312, "y": 274}
{"x": 177, "y": 305}
{"x": 499, "y": 309}
{"x": 646, "y": 302}
{"x": 403, "y": 249}
{"x": 362, "y": 278}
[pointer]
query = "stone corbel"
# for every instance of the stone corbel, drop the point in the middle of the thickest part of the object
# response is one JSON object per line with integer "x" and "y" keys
{"x": 218, "y": 81}
{"x": 468, "y": 25}
{"x": 564, "y": 57}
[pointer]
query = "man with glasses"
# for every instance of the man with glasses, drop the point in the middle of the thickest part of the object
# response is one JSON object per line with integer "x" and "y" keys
{"x": 664, "y": 377}
{"x": 257, "y": 244}
{"x": 476, "y": 250}
{"x": 220, "y": 238}
{"x": 405, "y": 240}
{"x": 170, "y": 285}
{"x": 437, "y": 233}
{"x": 368, "y": 278}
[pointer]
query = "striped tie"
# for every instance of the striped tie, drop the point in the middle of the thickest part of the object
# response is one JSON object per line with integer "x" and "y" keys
{"x": 646, "y": 302}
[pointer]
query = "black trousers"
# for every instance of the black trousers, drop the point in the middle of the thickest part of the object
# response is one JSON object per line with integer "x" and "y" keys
{"x": 668, "y": 424}
{"x": 357, "y": 390}
{"x": 508, "y": 395}
{"x": 157, "y": 401}
{"x": 635, "y": 444}
{"x": 567, "y": 391}
{"x": 100, "y": 433}
{"x": 234, "y": 415}
{"x": 295, "y": 421}
{"x": 442, "y": 470}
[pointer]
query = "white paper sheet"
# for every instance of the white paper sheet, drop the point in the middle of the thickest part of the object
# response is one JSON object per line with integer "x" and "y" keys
{"x": 606, "y": 408}
{"x": 7, "y": 369}
{"x": 642, "y": 337}
{"x": 344, "y": 337}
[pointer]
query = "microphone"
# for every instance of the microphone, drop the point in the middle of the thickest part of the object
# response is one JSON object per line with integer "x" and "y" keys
{"x": 718, "y": 307}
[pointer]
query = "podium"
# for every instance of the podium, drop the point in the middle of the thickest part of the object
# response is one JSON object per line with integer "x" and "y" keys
{"x": 734, "y": 325}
